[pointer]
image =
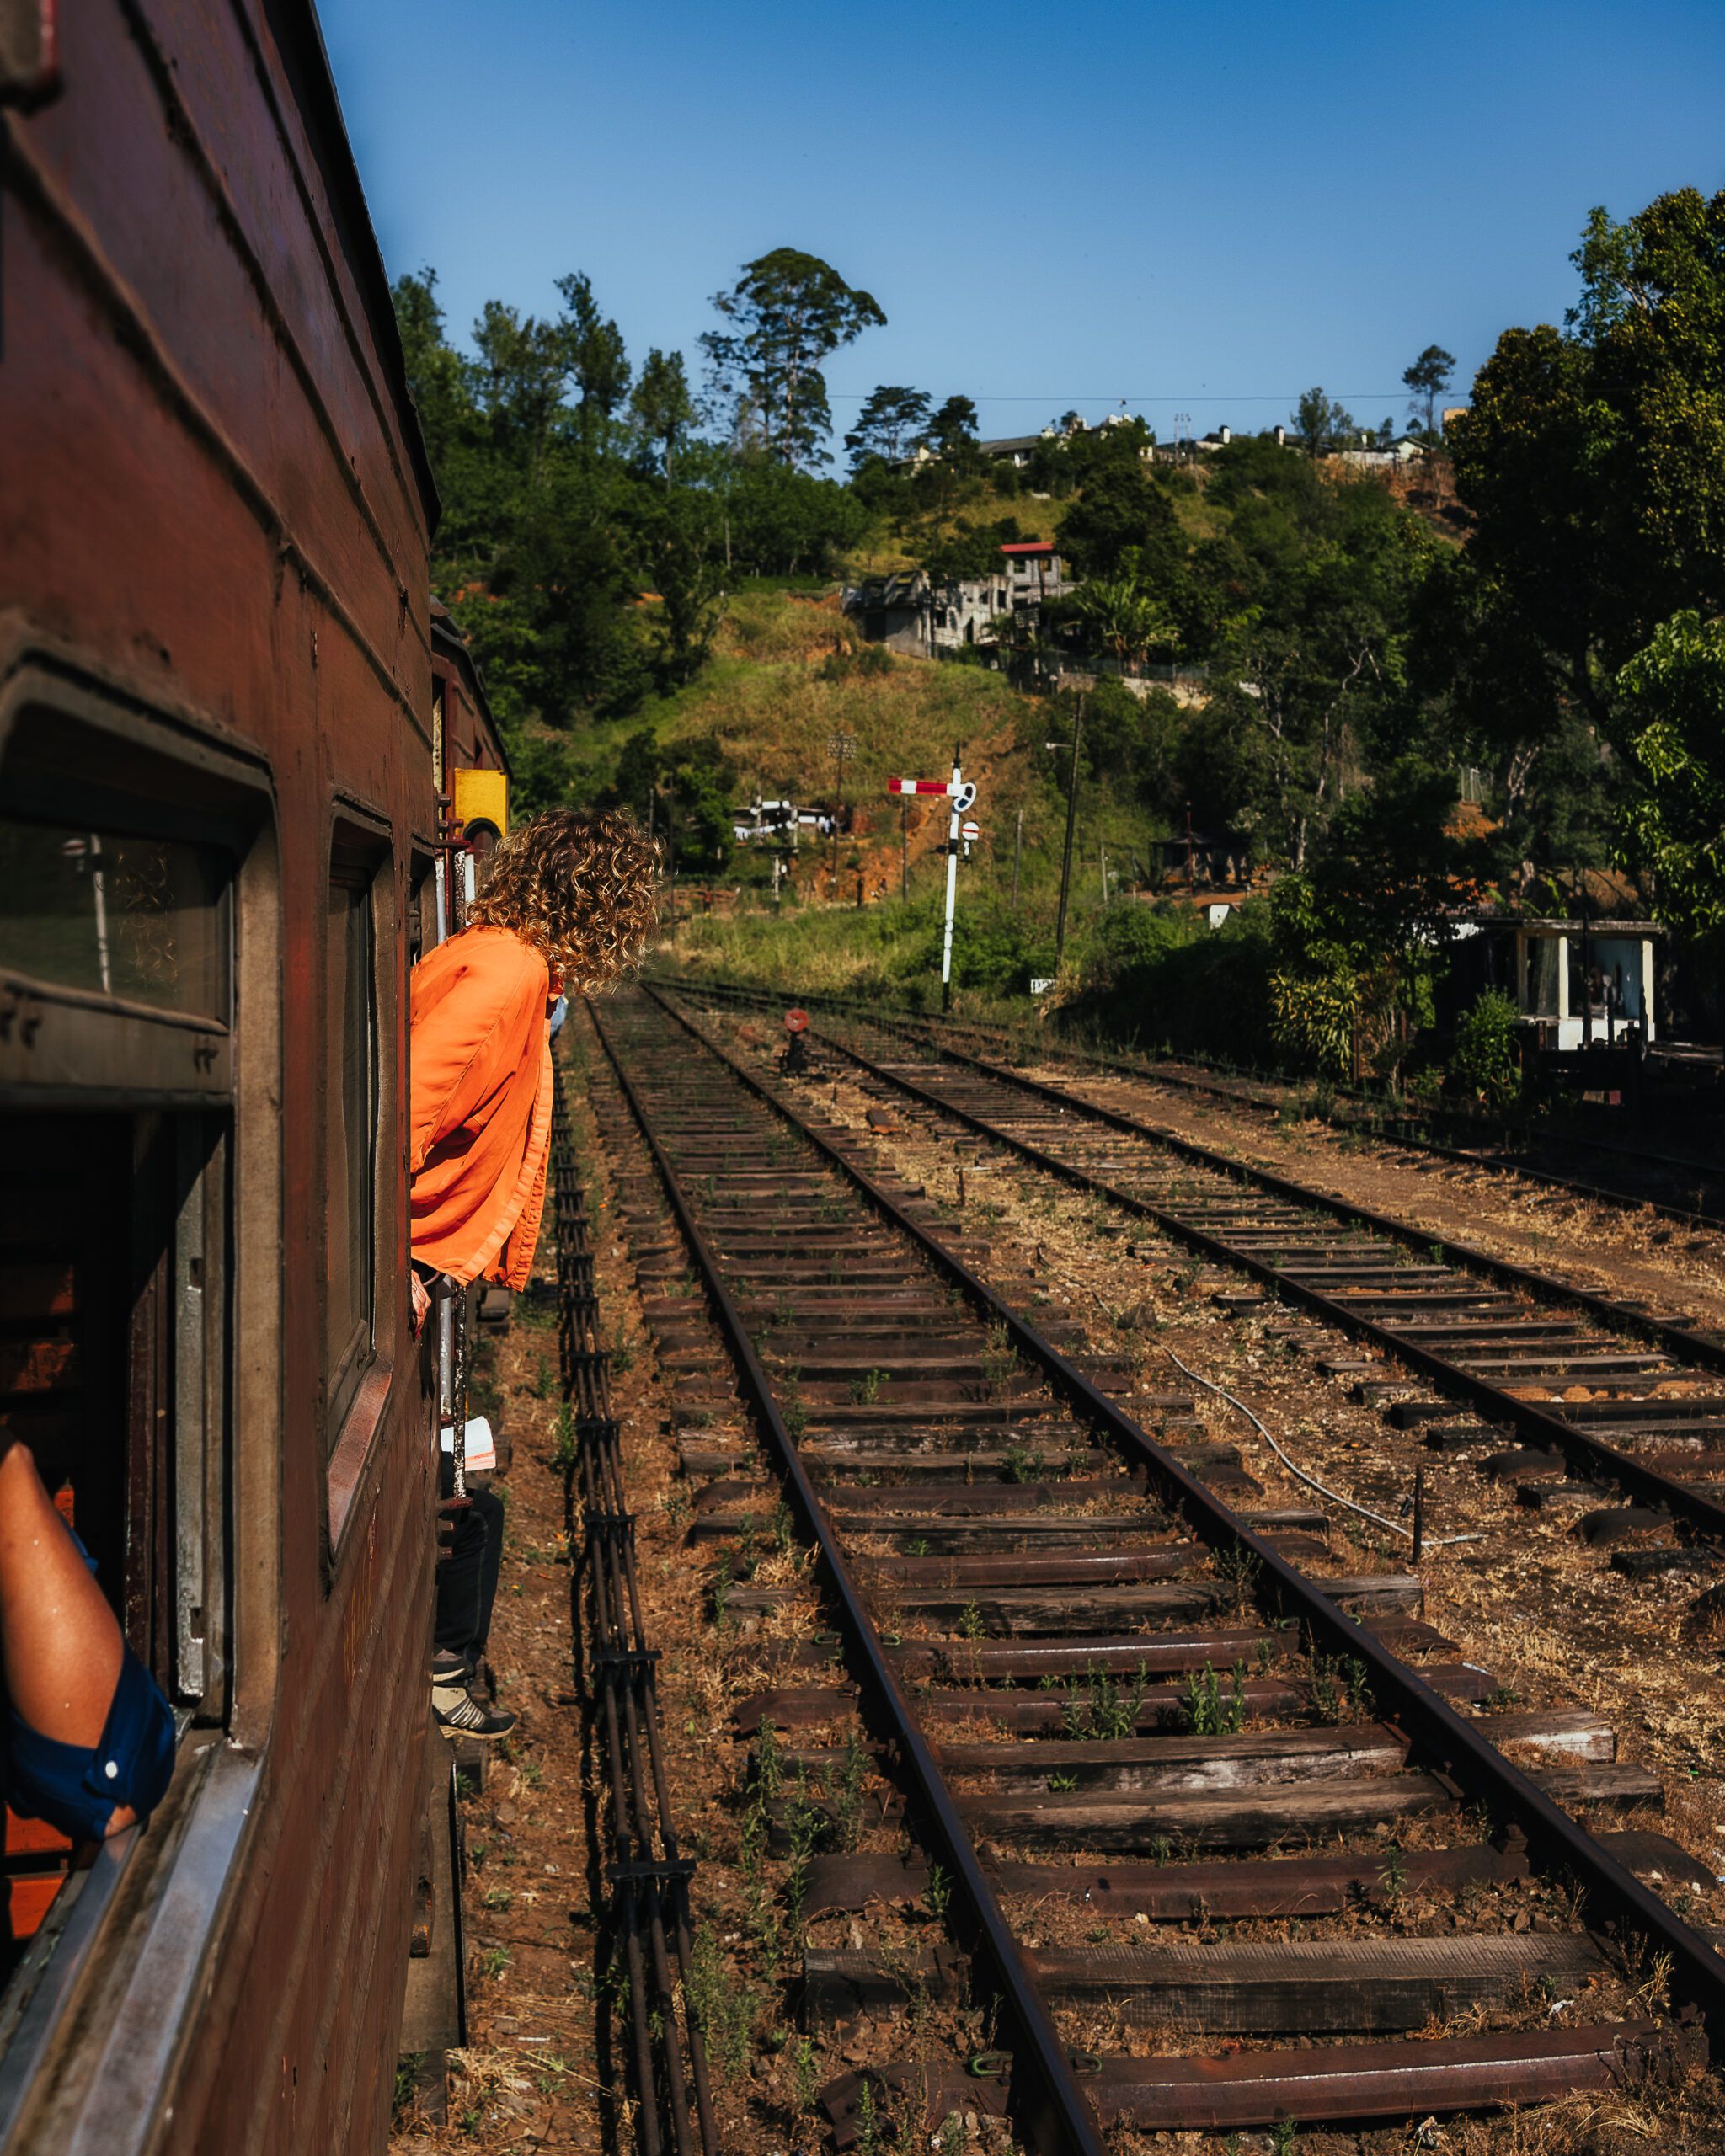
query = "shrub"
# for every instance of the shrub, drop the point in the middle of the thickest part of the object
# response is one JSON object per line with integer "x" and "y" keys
{"x": 1482, "y": 1063}
{"x": 1160, "y": 975}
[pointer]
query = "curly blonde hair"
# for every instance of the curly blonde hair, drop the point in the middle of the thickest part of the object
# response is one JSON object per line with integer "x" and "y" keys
{"x": 579, "y": 888}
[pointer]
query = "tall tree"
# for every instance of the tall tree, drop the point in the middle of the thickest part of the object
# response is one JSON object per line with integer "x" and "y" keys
{"x": 1320, "y": 424}
{"x": 596, "y": 362}
{"x": 1427, "y": 379}
{"x": 785, "y": 315}
{"x": 889, "y": 422}
{"x": 663, "y": 408}
{"x": 1592, "y": 459}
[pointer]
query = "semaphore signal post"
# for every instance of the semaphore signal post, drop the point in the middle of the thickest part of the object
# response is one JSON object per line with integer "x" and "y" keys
{"x": 961, "y": 793}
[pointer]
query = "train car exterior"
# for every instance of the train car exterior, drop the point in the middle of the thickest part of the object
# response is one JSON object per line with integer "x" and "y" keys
{"x": 217, "y": 807}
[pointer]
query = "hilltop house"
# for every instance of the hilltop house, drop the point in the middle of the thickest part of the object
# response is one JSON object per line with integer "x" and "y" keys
{"x": 909, "y": 615}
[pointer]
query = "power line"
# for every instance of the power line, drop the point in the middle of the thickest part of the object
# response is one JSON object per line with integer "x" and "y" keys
{"x": 1185, "y": 396}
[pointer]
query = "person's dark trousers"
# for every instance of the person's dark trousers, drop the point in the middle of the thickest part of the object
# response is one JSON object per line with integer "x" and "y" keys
{"x": 466, "y": 1579}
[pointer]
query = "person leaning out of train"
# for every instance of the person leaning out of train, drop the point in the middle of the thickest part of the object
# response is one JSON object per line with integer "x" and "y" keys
{"x": 89, "y": 1739}
{"x": 566, "y": 909}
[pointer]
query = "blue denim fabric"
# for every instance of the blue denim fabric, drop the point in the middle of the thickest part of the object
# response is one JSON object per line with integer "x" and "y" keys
{"x": 76, "y": 1790}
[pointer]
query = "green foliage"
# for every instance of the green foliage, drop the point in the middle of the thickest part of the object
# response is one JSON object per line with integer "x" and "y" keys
{"x": 1210, "y": 1711}
{"x": 785, "y": 315}
{"x": 1428, "y": 379}
{"x": 1320, "y": 424}
{"x": 1483, "y": 1061}
{"x": 891, "y": 420}
{"x": 1356, "y": 938}
{"x": 1158, "y": 975}
{"x": 1592, "y": 459}
{"x": 1676, "y": 823}
{"x": 1123, "y": 524}
{"x": 1104, "y": 1708}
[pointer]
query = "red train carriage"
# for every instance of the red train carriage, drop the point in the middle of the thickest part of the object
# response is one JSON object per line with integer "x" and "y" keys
{"x": 217, "y": 808}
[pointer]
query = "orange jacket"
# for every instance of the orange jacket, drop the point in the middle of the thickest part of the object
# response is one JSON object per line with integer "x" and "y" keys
{"x": 480, "y": 1112}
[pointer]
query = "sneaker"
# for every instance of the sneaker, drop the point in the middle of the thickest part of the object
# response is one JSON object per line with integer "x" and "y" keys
{"x": 448, "y": 1669}
{"x": 458, "y": 1714}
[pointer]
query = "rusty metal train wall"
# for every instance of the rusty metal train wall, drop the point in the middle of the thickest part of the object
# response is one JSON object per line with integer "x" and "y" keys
{"x": 214, "y": 516}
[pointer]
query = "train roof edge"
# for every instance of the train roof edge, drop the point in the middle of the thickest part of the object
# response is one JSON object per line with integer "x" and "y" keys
{"x": 298, "y": 33}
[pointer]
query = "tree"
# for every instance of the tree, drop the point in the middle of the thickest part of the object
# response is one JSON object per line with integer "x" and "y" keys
{"x": 1319, "y": 424}
{"x": 1592, "y": 459}
{"x": 1677, "y": 823}
{"x": 889, "y": 422}
{"x": 1303, "y": 606}
{"x": 594, "y": 347}
{"x": 952, "y": 432}
{"x": 663, "y": 408}
{"x": 1428, "y": 378}
{"x": 679, "y": 546}
{"x": 1124, "y": 618}
{"x": 787, "y": 313}
{"x": 1356, "y": 937}
{"x": 437, "y": 373}
{"x": 1122, "y": 522}
{"x": 789, "y": 523}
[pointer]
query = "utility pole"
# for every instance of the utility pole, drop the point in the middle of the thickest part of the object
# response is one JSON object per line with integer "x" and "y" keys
{"x": 671, "y": 843}
{"x": 1072, "y": 813}
{"x": 953, "y": 823}
{"x": 839, "y": 746}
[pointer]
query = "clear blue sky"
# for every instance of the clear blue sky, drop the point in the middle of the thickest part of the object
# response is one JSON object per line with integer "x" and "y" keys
{"x": 1195, "y": 209}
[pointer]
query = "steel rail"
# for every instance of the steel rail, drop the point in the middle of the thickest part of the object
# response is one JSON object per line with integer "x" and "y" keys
{"x": 1055, "y": 2114}
{"x": 1385, "y": 1130}
{"x": 1434, "y": 1729}
{"x": 1551, "y": 1432}
{"x": 1704, "y": 1515}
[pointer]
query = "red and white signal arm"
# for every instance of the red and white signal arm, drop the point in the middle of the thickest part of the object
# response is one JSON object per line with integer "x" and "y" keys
{"x": 962, "y": 795}
{"x": 970, "y": 831}
{"x": 796, "y": 1021}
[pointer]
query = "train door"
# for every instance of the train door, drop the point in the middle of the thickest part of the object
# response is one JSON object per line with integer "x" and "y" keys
{"x": 121, "y": 854}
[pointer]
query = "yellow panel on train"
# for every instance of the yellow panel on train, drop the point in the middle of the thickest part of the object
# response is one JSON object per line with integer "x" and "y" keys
{"x": 482, "y": 800}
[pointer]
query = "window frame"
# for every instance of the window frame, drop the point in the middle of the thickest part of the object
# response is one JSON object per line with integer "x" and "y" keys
{"x": 346, "y": 1365}
{"x": 177, "y": 773}
{"x": 360, "y": 848}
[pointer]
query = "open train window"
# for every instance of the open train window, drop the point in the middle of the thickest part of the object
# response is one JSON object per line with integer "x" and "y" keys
{"x": 121, "y": 850}
{"x": 350, "y": 1111}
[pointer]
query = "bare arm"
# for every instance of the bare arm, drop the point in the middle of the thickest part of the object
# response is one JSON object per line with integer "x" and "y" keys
{"x": 60, "y": 1642}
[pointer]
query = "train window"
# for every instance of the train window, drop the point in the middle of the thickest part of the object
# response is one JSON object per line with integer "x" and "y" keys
{"x": 121, "y": 855}
{"x": 114, "y": 913}
{"x": 350, "y": 1095}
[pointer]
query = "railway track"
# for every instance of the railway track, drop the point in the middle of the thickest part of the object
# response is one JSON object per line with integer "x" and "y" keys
{"x": 1175, "y": 1826}
{"x": 1678, "y": 1187}
{"x": 1587, "y": 1402}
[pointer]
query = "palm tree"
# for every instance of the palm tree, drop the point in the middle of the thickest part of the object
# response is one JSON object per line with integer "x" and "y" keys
{"x": 1124, "y": 618}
